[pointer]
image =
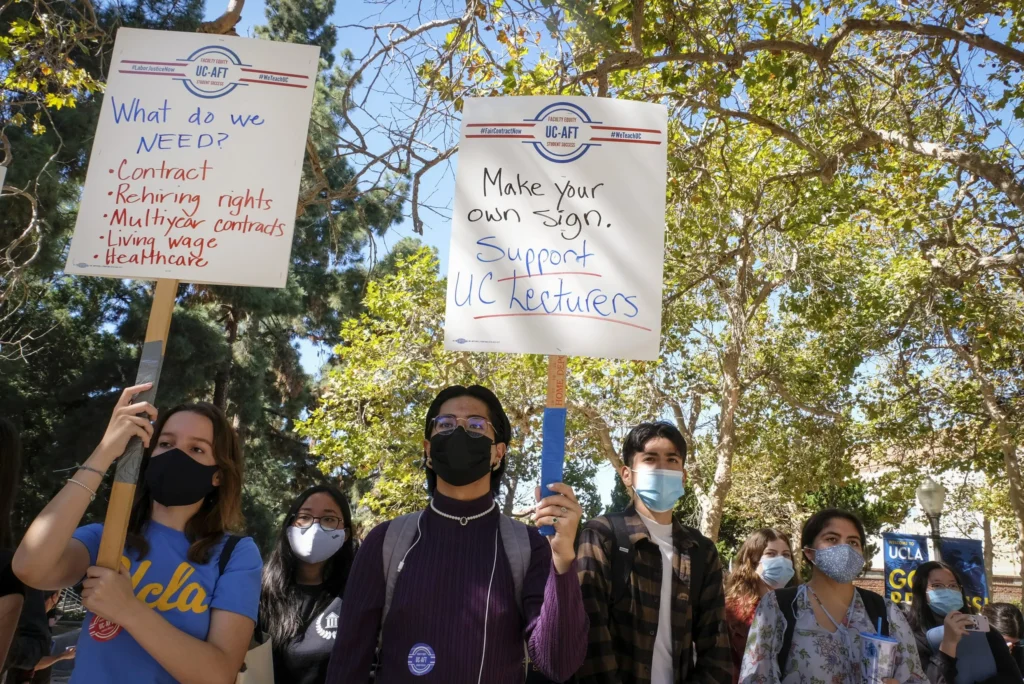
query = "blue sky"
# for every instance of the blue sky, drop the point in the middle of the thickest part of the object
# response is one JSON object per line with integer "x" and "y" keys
{"x": 440, "y": 186}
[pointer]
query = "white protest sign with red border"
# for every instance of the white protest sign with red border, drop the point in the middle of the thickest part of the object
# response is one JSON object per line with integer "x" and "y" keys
{"x": 558, "y": 228}
{"x": 195, "y": 169}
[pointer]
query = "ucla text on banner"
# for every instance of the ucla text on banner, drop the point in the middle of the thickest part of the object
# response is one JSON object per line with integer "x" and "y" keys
{"x": 968, "y": 557}
{"x": 558, "y": 228}
{"x": 902, "y": 553}
{"x": 194, "y": 173}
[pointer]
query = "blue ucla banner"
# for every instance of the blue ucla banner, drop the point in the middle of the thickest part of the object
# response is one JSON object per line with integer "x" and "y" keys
{"x": 968, "y": 557}
{"x": 902, "y": 553}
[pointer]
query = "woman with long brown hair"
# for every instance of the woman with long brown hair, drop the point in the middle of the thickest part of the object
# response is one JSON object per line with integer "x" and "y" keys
{"x": 763, "y": 563}
{"x": 184, "y": 604}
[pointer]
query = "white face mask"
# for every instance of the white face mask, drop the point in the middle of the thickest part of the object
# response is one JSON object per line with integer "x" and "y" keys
{"x": 313, "y": 545}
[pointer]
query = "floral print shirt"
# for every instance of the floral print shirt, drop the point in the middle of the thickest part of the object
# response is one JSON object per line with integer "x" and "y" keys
{"x": 818, "y": 656}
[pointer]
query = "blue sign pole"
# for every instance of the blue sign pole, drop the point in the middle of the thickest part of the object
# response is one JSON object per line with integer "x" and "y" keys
{"x": 552, "y": 455}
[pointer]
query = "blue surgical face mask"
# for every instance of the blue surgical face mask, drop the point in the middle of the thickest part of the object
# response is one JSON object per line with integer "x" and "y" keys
{"x": 944, "y": 601}
{"x": 841, "y": 563}
{"x": 776, "y": 572}
{"x": 659, "y": 489}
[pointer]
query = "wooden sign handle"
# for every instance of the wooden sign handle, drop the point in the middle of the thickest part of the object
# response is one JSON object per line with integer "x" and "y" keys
{"x": 552, "y": 458}
{"x": 122, "y": 494}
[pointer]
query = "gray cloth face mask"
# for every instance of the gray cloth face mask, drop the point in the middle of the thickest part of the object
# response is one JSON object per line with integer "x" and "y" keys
{"x": 840, "y": 563}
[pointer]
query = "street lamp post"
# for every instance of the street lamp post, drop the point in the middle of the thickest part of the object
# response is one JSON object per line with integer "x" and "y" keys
{"x": 932, "y": 496}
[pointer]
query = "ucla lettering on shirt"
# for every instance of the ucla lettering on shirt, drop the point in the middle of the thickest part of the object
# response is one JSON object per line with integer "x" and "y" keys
{"x": 182, "y": 591}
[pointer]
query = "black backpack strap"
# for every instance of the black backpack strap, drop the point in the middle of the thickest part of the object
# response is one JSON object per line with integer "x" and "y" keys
{"x": 225, "y": 553}
{"x": 785, "y": 597}
{"x": 875, "y": 606}
{"x": 698, "y": 556}
{"x": 623, "y": 555}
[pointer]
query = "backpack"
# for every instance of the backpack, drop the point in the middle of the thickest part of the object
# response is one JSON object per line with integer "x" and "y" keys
{"x": 873, "y": 603}
{"x": 401, "y": 535}
{"x": 624, "y": 555}
{"x": 402, "y": 532}
{"x": 225, "y": 553}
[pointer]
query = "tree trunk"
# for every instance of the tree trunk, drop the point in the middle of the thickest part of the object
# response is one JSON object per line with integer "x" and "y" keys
{"x": 1007, "y": 441}
{"x": 510, "y": 495}
{"x": 1008, "y": 445}
{"x": 986, "y": 526}
{"x": 222, "y": 381}
{"x": 714, "y": 505}
{"x": 1020, "y": 560}
{"x": 604, "y": 434}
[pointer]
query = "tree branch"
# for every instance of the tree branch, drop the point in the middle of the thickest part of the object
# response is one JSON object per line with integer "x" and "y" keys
{"x": 8, "y": 154}
{"x": 604, "y": 434}
{"x": 1001, "y": 177}
{"x": 771, "y": 126}
{"x": 978, "y": 40}
{"x": 224, "y": 24}
{"x": 821, "y": 411}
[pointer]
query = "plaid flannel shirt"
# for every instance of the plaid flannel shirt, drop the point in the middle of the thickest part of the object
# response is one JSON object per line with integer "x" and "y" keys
{"x": 621, "y": 640}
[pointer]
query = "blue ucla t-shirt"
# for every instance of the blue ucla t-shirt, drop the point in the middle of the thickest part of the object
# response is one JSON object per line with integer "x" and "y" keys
{"x": 183, "y": 592}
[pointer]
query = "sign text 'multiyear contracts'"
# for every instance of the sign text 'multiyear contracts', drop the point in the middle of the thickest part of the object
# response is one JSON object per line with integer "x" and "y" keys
{"x": 195, "y": 170}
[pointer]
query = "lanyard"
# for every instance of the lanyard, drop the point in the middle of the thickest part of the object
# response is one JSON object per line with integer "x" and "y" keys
{"x": 825, "y": 610}
{"x": 844, "y": 633}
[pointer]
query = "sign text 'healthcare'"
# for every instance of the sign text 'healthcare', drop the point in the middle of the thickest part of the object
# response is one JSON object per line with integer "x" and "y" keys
{"x": 195, "y": 170}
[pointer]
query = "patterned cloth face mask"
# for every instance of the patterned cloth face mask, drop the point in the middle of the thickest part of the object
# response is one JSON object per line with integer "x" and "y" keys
{"x": 840, "y": 563}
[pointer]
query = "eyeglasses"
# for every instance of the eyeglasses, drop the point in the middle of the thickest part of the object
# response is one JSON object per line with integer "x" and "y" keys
{"x": 954, "y": 587}
{"x": 476, "y": 426}
{"x": 328, "y": 523}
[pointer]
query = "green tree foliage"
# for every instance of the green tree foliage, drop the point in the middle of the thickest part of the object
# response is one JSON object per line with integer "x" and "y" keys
{"x": 368, "y": 424}
{"x": 44, "y": 60}
{"x": 620, "y": 496}
{"x": 79, "y": 337}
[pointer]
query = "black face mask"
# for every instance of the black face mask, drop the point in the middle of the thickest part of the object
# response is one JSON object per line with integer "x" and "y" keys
{"x": 176, "y": 479}
{"x": 459, "y": 459}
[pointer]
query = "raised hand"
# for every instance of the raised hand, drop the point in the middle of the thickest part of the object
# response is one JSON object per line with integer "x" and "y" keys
{"x": 108, "y": 593}
{"x": 955, "y": 627}
{"x": 125, "y": 423}
{"x": 563, "y": 512}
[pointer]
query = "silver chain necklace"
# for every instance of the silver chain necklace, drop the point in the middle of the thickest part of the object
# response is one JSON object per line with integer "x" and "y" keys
{"x": 464, "y": 520}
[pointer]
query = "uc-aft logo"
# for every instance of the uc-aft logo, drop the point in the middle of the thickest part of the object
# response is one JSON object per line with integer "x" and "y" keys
{"x": 211, "y": 72}
{"x": 563, "y": 132}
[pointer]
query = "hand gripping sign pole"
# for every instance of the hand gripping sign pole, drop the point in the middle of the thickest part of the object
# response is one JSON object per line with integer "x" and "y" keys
{"x": 193, "y": 177}
{"x": 558, "y": 238}
{"x": 122, "y": 492}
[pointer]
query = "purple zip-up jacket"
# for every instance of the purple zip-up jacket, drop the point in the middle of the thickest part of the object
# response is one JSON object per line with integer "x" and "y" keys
{"x": 435, "y": 627}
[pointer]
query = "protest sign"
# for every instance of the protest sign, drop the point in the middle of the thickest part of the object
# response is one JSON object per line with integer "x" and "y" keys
{"x": 558, "y": 228}
{"x": 194, "y": 175}
{"x": 902, "y": 554}
{"x": 968, "y": 557}
{"x": 195, "y": 168}
{"x": 558, "y": 238}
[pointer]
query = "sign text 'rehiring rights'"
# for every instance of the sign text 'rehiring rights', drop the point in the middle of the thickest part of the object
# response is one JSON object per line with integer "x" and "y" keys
{"x": 195, "y": 170}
